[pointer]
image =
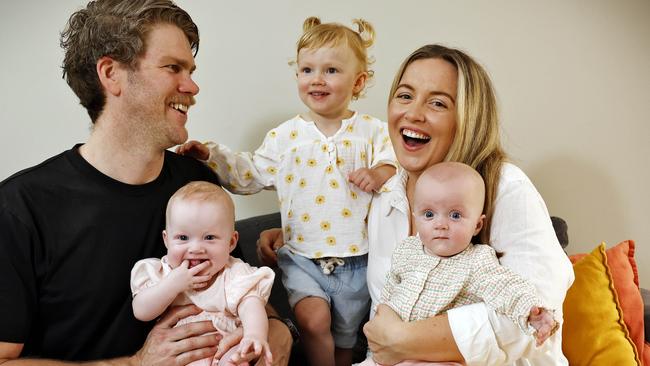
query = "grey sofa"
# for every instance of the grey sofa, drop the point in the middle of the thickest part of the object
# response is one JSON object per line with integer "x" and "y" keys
{"x": 249, "y": 230}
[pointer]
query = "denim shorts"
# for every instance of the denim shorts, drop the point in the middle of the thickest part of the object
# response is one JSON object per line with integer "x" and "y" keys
{"x": 345, "y": 289}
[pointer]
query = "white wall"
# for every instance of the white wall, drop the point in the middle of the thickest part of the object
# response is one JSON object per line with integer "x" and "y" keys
{"x": 572, "y": 79}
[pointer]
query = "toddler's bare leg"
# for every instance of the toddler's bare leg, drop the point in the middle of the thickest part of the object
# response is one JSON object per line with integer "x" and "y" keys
{"x": 314, "y": 320}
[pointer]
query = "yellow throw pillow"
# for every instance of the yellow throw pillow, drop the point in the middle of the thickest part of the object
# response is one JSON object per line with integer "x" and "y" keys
{"x": 594, "y": 332}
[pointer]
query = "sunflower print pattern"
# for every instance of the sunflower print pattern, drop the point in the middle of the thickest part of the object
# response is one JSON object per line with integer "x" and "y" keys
{"x": 323, "y": 215}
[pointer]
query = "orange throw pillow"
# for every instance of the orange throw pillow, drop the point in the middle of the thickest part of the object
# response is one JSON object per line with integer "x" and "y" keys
{"x": 620, "y": 260}
{"x": 594, "y": 332}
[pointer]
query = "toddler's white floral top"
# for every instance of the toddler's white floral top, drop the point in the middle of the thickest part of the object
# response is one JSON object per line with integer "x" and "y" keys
{"x": 323, "y": 215}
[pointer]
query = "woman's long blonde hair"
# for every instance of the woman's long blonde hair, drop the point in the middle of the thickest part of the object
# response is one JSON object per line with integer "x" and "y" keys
{"x": 477, "y": 140}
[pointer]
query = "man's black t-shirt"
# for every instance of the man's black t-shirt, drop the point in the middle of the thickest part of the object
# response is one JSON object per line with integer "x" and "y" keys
{"x": 69, "y": 236}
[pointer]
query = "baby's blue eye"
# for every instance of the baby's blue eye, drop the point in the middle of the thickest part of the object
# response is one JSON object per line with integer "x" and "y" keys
{"x": 183, "y": 237}
{"x": 210, "y": 237}
{"x": 455, "y": 215}
{"x": 428, "y": 214}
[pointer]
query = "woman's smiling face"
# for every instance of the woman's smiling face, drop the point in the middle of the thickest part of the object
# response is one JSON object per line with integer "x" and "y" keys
{"x": 422, "y": 114}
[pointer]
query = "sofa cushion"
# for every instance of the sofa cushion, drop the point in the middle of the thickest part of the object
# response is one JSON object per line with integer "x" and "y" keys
{"x": 595, "y": 334}
{"x": 620, "y": 260}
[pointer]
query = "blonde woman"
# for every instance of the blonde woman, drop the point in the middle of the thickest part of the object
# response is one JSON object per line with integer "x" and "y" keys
{"x": 442, "y": 107}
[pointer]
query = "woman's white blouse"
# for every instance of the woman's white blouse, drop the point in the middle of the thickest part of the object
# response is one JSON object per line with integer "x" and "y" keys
{"x": 522, "y": 231}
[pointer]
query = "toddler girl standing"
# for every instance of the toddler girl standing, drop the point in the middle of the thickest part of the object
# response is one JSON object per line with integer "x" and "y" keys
{"x": 309, "y": 160}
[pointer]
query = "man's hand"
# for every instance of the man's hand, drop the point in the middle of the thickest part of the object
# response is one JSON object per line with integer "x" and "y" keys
{"x": 194, "y": 149}
{"x": 166, "y": 345}
{"x": 10, "y": 351}
{"x": 269, "y": 242}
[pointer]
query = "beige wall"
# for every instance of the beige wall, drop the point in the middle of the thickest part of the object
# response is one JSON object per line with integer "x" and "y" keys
{"x": 572, "y": 79}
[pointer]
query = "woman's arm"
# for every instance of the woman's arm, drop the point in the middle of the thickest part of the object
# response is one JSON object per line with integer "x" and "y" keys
{"x": 391, "y": 340}
{"x": 522, "y": 231}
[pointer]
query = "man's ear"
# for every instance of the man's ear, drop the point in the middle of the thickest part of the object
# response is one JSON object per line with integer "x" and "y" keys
{"x": 233, "y": 240}
{"x": 110, "y": 72}
{"x": 479, "y": 224}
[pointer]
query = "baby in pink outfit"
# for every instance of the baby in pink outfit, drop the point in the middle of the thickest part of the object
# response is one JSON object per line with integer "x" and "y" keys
{"x": 198, "y": 269}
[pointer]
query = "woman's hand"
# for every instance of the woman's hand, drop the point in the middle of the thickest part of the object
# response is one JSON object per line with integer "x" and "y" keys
{"x": 382, "y": 331}
{"x": 269, "y": 242}
{"x": 391, "y": 340}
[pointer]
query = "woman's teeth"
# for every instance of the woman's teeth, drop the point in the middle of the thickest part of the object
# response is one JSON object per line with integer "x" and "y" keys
{"x": 415, "y": 135}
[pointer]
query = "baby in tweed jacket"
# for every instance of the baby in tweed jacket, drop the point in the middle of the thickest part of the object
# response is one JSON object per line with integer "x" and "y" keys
{"x": 439, "y": 268}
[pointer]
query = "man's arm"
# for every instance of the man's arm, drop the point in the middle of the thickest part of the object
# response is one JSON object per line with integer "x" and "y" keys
{"x": 280, "y": 338}
{"x": 9, "y": 353}
{"x": 165, "y": 345}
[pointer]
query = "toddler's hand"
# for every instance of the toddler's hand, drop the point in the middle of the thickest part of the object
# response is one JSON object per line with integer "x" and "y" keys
{"x": 542, "y": 320}
{"x": 186, "y": 278}
{"x": 252, "y": 346}
{"x": 366, "y": 179}
{"x": 194, "y": 149}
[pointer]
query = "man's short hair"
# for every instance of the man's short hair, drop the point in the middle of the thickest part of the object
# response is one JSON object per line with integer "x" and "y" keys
{"x": 117, "y": 29}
